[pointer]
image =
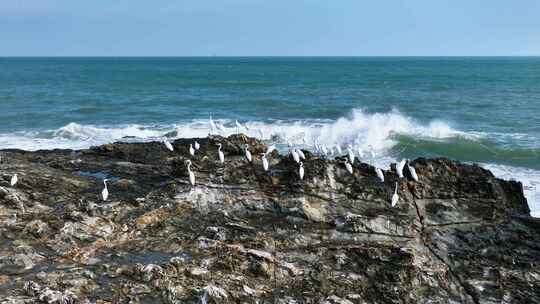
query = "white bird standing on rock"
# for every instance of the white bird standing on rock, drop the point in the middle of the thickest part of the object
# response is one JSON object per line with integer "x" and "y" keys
{"x": 395, "y": 197}
{"x": 295, "y": 155}
{"x": 264, "y": 161}
{"x": 351, "y": 154}
{"x": 14, "y": 180}
{"x": 380, "y": 174}
{"x": 220, "y": 154}
{"x": 399, "y": 168}
{"x": 191, "y": 150}
{"x": 348, "y": 166}
{"x": 190, "y": 173}
{"x": 301, "y": 154}
{"x": 301, "y": 170}
{"x": 248, "y": 154}
{"x": 105, "y": 191}
{"x": 197, "y": 145}
{"x": 168, "y": 145}
{"x": 413, "y": 171}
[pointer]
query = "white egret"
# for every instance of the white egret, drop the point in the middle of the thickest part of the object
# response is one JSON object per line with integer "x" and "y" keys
{"x": 338, "y": 148}
{"x": 238, "y": 126}
{"x": 220, "y": 154}
{"x": 413, "y": 171}
{"x": 14, "y": 180}
{"x": 191, "y": 150}
{"x": 248, "y": 154}
{"x": 197, "y": 145}
{"x": 380, "y": 174}
{"x": 348, "y": 166}
{"x": 351, "y": 154}
{"x": 301, "y": 154}
{"x": 190, "y": 173}
{"x": 264, "y": 161}
{"x": 295, "y": 155}
{"x": 301, "y": 170}
{"x": 105, "y": 191}
{"x": 399, "y": 168}
{"x": 168, "y": 145}
{"x": 395, "y": 197}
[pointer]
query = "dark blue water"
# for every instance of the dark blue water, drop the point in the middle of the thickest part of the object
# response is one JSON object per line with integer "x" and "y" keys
{"x": 477, "y": 109}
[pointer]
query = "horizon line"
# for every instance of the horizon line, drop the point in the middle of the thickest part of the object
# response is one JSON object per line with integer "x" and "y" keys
{"x": 258, "y": 56}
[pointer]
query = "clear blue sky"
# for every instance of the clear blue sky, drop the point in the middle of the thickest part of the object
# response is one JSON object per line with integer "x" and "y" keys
{"x": 269, "y": 27}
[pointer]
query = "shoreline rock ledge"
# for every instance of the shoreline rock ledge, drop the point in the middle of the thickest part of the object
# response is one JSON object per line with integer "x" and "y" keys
{"x": 243, "y": 235}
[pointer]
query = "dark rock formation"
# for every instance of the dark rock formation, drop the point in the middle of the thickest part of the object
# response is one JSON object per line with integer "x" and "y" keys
{"x": 242, "y": 235}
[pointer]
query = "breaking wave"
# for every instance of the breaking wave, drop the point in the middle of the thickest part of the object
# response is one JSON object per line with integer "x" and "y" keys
{"x": 392, "y": 135}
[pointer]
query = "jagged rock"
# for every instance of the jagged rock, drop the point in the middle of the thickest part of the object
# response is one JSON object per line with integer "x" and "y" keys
{"x": 243, "y": 235}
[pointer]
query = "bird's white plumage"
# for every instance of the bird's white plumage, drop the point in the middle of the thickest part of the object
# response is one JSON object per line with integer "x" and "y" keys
{"x": 190, "y": 173}
{"x": 413, "y": 171}
{"x": 14, "y": 180}
{"x": 351, "y": 154}
{"x": 380, "y": 174}
{"x": 191, "y": 150}
{"x": 349, "y": 167}
{"x": 399, "y": 168}
{"x": 168, "y": 145}
{"x": 220, "y": 154}
{"x": 301, "y": 154}
{"x": 197, "y": 145}
{"x": 301, "y": 170}
{"x": 105, "y": 191}
{"x": 247, "y": 153}
{"x": 264, "y": 161}
{"x": 395, "y": 197}
{"x": 295, "y": 155}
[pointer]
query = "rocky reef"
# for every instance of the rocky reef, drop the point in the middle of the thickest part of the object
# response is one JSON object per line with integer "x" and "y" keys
{"x": 243, "y": 235}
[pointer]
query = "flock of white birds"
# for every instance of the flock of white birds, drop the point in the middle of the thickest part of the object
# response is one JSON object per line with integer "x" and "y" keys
{"x": 296, "y": 154}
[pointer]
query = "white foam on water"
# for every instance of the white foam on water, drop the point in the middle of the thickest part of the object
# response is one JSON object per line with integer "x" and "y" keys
{"x": 528, "y": 177}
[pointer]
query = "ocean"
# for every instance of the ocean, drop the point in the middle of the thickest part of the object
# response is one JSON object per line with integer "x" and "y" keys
{"x": 483, "y": 110}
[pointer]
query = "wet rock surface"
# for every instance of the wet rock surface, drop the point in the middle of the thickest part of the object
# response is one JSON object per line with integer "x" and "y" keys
{"x": 242, "y": 235}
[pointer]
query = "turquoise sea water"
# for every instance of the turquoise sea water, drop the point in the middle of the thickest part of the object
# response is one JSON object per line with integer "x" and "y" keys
{"x": 477, "y": 109}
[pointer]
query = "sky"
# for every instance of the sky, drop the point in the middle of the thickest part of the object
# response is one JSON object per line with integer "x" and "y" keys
{"x": 269, "y": 28}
